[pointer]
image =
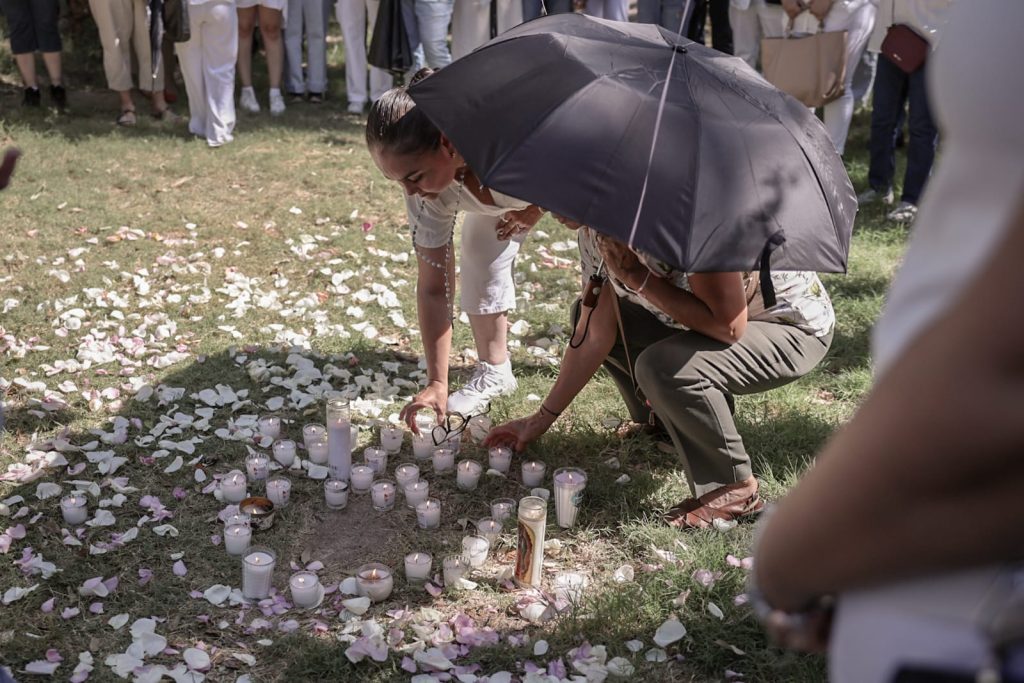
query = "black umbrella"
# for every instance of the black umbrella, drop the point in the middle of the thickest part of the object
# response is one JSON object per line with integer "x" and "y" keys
{"x": 711, "y": 173}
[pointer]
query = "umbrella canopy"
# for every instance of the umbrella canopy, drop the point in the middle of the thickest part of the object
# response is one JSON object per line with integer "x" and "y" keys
{"x": 562, "y": 112}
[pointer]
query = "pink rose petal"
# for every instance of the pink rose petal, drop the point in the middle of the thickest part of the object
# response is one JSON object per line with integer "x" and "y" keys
{"x": 53, "y": 655}
{"x": 70, "y": 613}
{"x": 180, "y": 569}
{"x": 96, "y": 608}
{"x": 145, "y": 576}
{"x": 47, "y": 606}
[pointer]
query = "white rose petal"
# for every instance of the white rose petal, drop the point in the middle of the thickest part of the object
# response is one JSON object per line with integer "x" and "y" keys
{"x": 619, "y": 666}
{"x": 656, "y": 654}
{"x": 357, "y": 606}
{"x": 117, "y": 622}
{"x": 540, "y": 648}
{"x": 196, "y": 659}
{"x": 624, "y": 574}
{"x": 669, "y": 632}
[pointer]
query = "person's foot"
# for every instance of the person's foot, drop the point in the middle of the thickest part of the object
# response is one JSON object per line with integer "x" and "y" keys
{"x": 355, "y": 107}
{"x": 726, "y": 503}
{"x": 488, "y": 382}
{"x": 296, "y": 96}
{"x": 33, "y": 98}
{"x": 276, "y": 103}
{"x": 871, "y": 196}
{"x": 905, "y": 212}
{"x": 165, "y": 115}
{"x": 127, "y": 118}
{"x": 59, "y": 96}
{"x": 316, "y": 97}
{"x": 247, "y": 101}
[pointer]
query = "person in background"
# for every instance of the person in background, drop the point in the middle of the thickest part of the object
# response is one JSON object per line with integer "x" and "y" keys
{"x": 124, "y": 24}
{"x": 33, "y": 28}
{"x": 357, "y": 18}
{"x": 721, "y": 29}
{"x": 616, "y": 10}
{"x": 857, "y": 18}
{"x": 208, "y": 66}
{"x": 893, "y": 89}
{"x": 471, "y": 22}
{"x": 752, "y": 20}
{"x": 271, "y": 15}
{"x": 900, "y": 549}
{"x": 306, "y": 18}
{"x": 426, "y": 22}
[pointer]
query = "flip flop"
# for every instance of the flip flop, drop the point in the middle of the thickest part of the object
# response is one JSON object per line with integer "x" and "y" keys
{"x": 127, "y": 118}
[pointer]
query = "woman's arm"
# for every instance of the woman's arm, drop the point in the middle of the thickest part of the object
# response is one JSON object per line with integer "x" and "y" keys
{"x": 598, "y": 329}
{"x": 433, "y": 310}
{"x": 928, "y": 476}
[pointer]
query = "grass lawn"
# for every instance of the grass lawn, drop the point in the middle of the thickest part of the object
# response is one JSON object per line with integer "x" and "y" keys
{"x": 142, "y": 268}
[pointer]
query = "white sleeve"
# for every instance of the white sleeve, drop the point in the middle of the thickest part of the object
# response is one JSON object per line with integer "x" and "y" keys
{"x": 430, "y": 221}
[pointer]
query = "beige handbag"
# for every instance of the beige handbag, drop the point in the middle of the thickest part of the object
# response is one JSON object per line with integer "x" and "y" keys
{"x": 811, "y": 68}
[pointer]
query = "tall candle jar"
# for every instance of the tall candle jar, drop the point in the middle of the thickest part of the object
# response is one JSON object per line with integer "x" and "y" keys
{"x": 569, "y": 485}
{"x": 339, "y": 439}
{"x": 533, "y": 516}
{"x": 258, "y": 572}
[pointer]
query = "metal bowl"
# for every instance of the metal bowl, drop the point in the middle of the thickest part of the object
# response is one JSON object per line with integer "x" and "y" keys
{"x": 260, "y": 511}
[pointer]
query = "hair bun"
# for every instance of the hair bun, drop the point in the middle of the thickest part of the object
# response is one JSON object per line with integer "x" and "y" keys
{"x": 420, "y": 75}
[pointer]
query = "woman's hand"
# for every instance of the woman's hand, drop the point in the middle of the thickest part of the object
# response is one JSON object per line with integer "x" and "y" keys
{"x": 622, "y": 262}
{"x": 518, "y": 222}
{"x": 809, "y": 633}
{"x": 819, "y": 8}
{"x": 434, "y": 397}
{"x": 793, "y": 7}
{"x": 516, "y": 434}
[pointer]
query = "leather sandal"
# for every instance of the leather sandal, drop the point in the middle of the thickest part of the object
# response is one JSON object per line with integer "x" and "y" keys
{"x": 700, "y": 513}
{"x": 127, "y": 118}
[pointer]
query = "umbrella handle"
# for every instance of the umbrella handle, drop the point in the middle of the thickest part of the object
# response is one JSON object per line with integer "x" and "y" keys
{"x": 767, "y": 288}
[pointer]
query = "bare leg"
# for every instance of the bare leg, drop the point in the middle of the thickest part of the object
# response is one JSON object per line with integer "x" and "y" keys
{"x": 270, "y": 30}
{"x": 27, "y": 67}
{"x": 490, "y": 332}
{"x": 53, "y": 67}
{"x": 246, "y": 21}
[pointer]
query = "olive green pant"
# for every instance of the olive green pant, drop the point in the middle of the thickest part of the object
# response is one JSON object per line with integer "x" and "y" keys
{"x": 689, "y": 380}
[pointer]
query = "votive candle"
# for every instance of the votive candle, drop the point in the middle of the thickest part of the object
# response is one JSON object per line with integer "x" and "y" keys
{"x": 336, "y": 493}
{"x": 428, "y": 514}
{"x": 233, "y": 487}
{"x": 474, "y": 551}
{"x": 313, "y": 432}
{"x": 454, "y": 569}
{"x": 305, "y": 588}
{"x": 416, "y": 493}
{"x": 489, "y": 528}
{"x": 417, "y": 567}
{"x": 284, "y": 452}
{"x": 502, "y": 509}
{"x": 391, "y": 439}
{"x": 377, "y": 458}
{"x": 499, "y": 458}
{"x": 279, "y": 490}
{"x": 317, "y": 450}
{"x": 406, "y": 474}
{"x": 270, "y": 425}
{"x": 362, "y": 477}
{"x": 237, "y": 538}
{"x": 375, "y": 581}
{"x": 444, "y": 459}
{"x": 468, "y": 474}
{"x": 383, "y": 494}
{"x": 257, "y": 465}
{"x": 74, "y": 508}
{"x": 533, "y": 473}
{"x": 258, "y": 573}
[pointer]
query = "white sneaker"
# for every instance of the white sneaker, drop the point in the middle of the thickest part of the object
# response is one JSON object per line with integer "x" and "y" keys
{"x": 872, "y": 196}
{"x": 356, "y": 107}
{"x": 248, "y": 101}
{"x": 488, "y": 382}
{"x": 276, "y": 103}
{"x": 905, "y": 212}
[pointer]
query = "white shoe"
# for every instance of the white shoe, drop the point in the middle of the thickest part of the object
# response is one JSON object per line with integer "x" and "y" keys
{"x": 872, "y": 196}
{"x": 488, "y": 382}
{"x": 905, "y": 212}
{"x": 248, "y": 102}
{"x": 356, "y": 107}
{"x": 276, "y": 103}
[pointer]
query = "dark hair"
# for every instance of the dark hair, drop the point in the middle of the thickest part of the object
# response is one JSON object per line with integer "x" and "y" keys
{"x": 396, "y": 124}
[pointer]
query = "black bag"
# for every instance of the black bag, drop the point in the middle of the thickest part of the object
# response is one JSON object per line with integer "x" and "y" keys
{"x": 175, "y": 15}
{"x": 389, "y": 47}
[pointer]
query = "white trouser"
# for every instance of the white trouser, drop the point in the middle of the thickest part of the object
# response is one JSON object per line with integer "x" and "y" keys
{"x": 357, "y": 17}
{"x": 471, "y": 22}
{"x": 616, "y": 10}
{"x": 208, "y": 66}
{"x": 858, "y": 25}
{"x": 485, "y": 267}
{"x": 123, "y": 24}
{"x": 752, "y": 20}
{"x": 305, "y": 15}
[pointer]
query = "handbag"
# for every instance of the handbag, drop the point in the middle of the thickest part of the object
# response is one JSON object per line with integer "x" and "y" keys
{"x": 904, "y": 47}
{"x": 389, "y": 47}
{"x": 811, "y": 68}
{"x": 175, "y": 17}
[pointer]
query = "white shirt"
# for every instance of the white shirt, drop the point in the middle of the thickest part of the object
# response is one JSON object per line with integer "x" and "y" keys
{"x": 927, "y": 17}
{"x": 432, "y": 220}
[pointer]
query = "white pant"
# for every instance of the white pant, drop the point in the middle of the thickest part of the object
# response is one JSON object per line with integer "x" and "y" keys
{"x": 123, "y": 24}
{"x": 485, "y": 267}
{"x": 208, "y": 66}
{"x": 751, "y": 21}
{"x": 357, "y": 17}
{"x": 858, "y": 25}
{"x": 471, "y": 22}
{"x": 308, "y": 15}
{"x": 616, "y": 10}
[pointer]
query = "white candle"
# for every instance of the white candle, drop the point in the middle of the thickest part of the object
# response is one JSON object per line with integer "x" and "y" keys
{"x": 406, "y": 474}
{"x": 468, "y": 474}
{"x": 383, "y": 494}
{"x": 270, "y": 426}
{"x": 237, "y": 538}
{"x": 339, "y": 439}
{"x": 417, "y": 567}
{"x": 499, "y": 458}
{"x": 569, "y": 586}
{"x": 258, "y": 573}
{"x": 317, "y": 451}
{"x": 416, "y": 493}
{"x": 502, "y": 509}
{"x": 237, "y": 518}
{"x": 489, "y": 528}
{"x": 444, "y": 459}
{"x": 428, "y": 514}
{"x": 362, "y": 477}
{"x": 474, "y": 551}
{"x": 336, "y": 493}
{"x": 377, "y": 458}
{"x": 569, "y": 485}
{"x": 257, "y": 465}
{"x": 233, "y": 487}
{"x": 279, "y": 491}
{"x": 284, "y": 452}
{"x": 454, "y": 568}
{"x": 391, "y": 439}
{"x": 305, "y": 587}
{"x": 75, "y": 508}
{"x": 533, "y": 514}
{"x": 375, "y": 581}
{"x": 422, "y": 445}
{"x": 313, "y": 432}
{"x": 533, "y": 473}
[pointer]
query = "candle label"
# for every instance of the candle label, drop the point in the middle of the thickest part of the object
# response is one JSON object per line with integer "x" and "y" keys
{"x": 577, "y": 498}
{"x": 525, "y": 571}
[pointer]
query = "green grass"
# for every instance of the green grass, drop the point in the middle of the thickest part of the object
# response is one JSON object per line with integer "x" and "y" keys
{"x": 83, "y": 182}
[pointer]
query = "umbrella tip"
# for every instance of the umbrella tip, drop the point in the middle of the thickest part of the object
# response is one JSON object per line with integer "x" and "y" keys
{"x": 679, "y": 48}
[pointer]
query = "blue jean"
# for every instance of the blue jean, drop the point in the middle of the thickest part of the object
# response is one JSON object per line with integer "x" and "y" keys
{"x": 892, "y": 90}
{"x": 432, "y": 19}
{"x": 668, "y": 14}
